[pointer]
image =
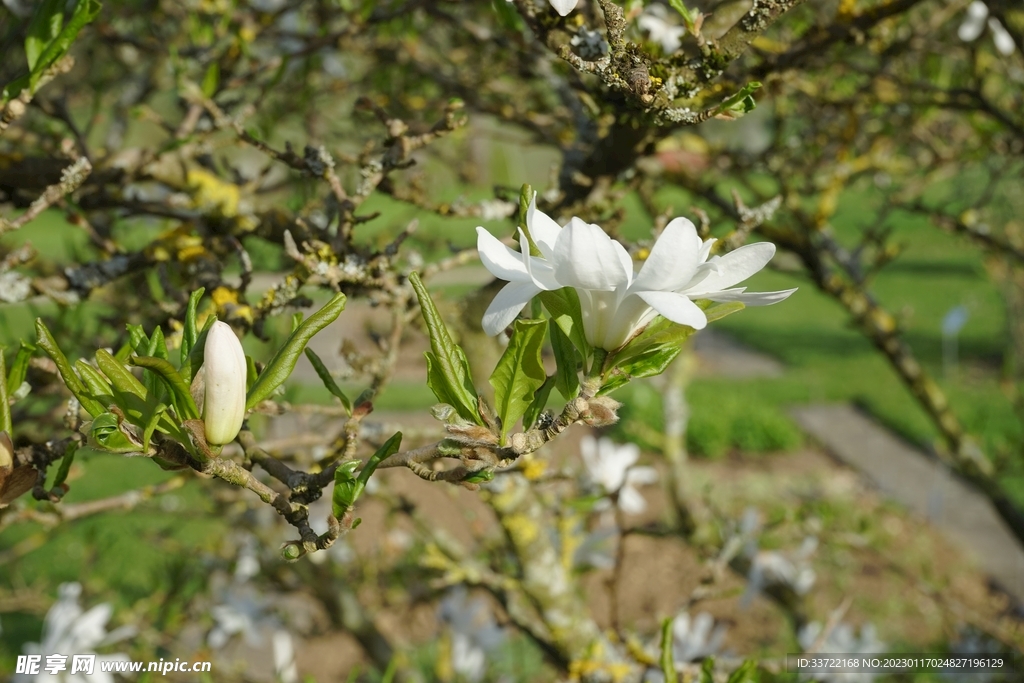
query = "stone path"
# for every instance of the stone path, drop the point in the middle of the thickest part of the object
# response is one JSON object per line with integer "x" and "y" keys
{"x": 922, "y": 485}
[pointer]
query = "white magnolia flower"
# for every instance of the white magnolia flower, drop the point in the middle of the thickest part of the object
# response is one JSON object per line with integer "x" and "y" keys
{"x": 473, "y": 631}
{"x": 842, "y": 639}
{"x": 68, "y": 630}
{"x": 617, "y": 302}
{"x": 654, "y": 21}
{"x": 224, "y": 373}
{"x": 527, "y": 275}
{"x": 772, "y": 567}
{"x": 974, "y": 23}
{"x": 590, "y": 45}
{"x": 695, "y": 639}
{"x": 284, "y": 657}
{"x": 611, "y": 467}
{"x": 563, "y": 7}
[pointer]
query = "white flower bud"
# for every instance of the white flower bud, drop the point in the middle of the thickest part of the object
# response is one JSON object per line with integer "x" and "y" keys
{"x": 224, "y": 397}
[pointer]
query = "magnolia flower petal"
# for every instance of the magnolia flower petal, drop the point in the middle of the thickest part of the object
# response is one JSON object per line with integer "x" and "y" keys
{"x": 543, "y": 229}
{"x": 641, "y": 476}
{"x": 587, "y": 258}
{"x": 734, "y": 267}
{"x": 974, "y": 22}
{"x": 506, "y": 306}
{"x": 1002, "y": 39}
{"x": 751, "y": 298}
{"x": 538, "y": 269}
{"x": 630, "y": 501}
{"x": 501, "y": 261}
{"x": 705, "y": 249}
{"x": 673, "y": 259}
{"x": 563, "y": 7}
{"x": 676, "y": 307}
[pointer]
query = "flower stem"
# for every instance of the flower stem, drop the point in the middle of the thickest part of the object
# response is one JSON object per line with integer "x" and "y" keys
{"x": 597, "y": 366}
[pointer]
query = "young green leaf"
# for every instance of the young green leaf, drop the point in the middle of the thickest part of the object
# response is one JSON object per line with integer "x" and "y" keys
{"x": 85, "y": 11}
{"x": 567, "y": 379}
{"x": 348, "y": 487}
{"x": 540, "y": 399}
{"x": 46, "y": 342}
{"x": 746, "y": 673}
{"x": 194, "y": 360}
{"x": 181, "y": 399}
{"x": 519, "y": 373}
{"x": 65, "y": 463}
{"x": 46, "y": 23}
{"x": 684, "y": 11}
{"x": 5, "y": 407}
{"x": 95, "y": 383}
{"x": 189, "y": 333}
{"x": 325, "y": 376}
{"x": 667, "y": 660}
{"x": 564, "y": 307}
{"x": 448, "y": 373}
{"x": 283, "y": 362}
{"x": 19, "y": 368}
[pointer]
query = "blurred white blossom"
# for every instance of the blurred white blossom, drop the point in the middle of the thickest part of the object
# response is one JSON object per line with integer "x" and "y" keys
{"x": 654, "y": 22}
{"x": 842, "y": 639}
{"x": 473, "y": 633}
{"x": 768, "y": 568}
{"x": 284, "y": 657}
{"x": 563, "y": 7}
{"x": 610, "y": 466}
{"x": 697, "y": 638}
{"x": 68, "y": 630}
{"x": 974, "y": 24}
{"x": 590, "y": 45}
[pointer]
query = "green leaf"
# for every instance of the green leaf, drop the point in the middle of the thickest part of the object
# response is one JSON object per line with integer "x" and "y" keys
{"x": 525, "y": 197}
{"x": 65, "y": 463}
{"x": 707, "y": 670}
{"x": 742, "y": 102}
{"x": 95, "y": 383}
{"x": 250, "y": 373}
{"x": 195, "y": 357}
{"x": 211, "y": 79}
{"x": 181, "y": 398}
{"x": 158, "y": 345}
{"x": 105, "y": 434}
{"x": 651, "y": 356}
{"x": 719, "y": 311}
{"x": 667, "y": 661}
{"x": 44, "y": 27}
{"x": 189, "y": 333}
{"x": 19, "y": 368}
{"x": 348, "y": 487}
{"x": 325, "y": 376}
{"x": 687, "y": 15}
{"x": 282, "y": 364}
{"x": 5, "y": 406}
{"x": 564, "y": 307}
{"x": 129, "y": 393}
{"x": 540, "y": 399}
{"x": 567, "y": 379}
{"x": 137, "y": 338}
{"x": 519, "y": 373}
{"x": 507, "y": 15}
{"x": 448, "y": 374}
{"x": 746, "y": 673}
{"x": 46, "y": 342}
{"x": 85, "y": 11}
